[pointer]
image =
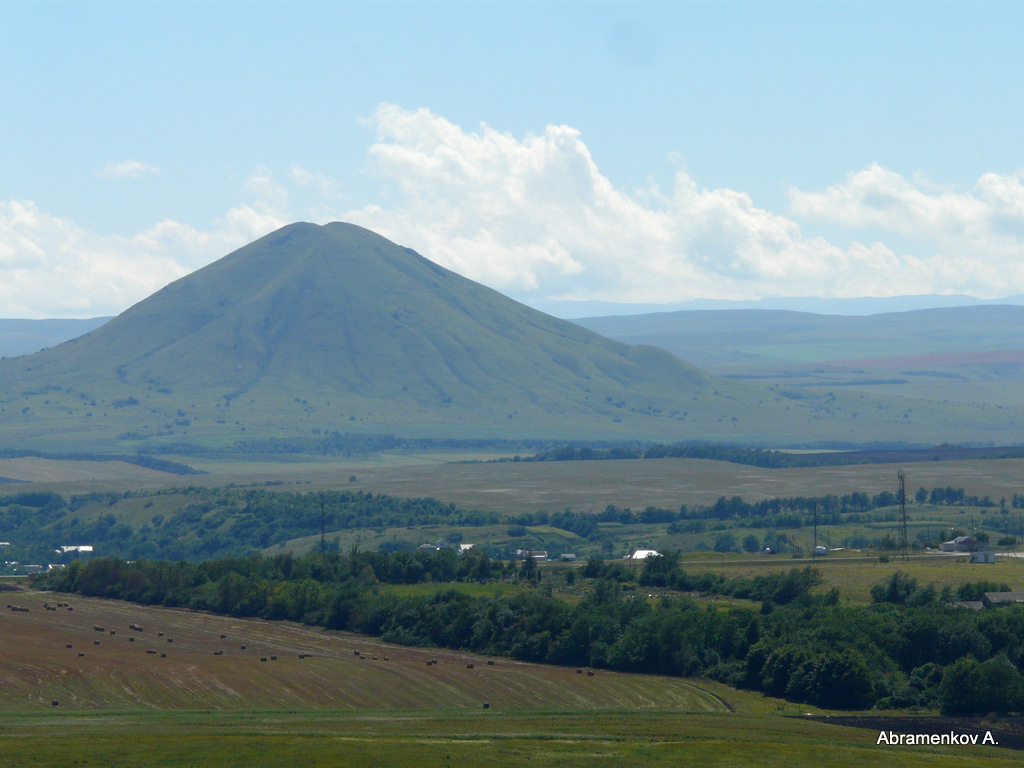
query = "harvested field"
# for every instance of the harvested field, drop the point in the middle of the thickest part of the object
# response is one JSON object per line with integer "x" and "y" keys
{"x": 59, "y": 656}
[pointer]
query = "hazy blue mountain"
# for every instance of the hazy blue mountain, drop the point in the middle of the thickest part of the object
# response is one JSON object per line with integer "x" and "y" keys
{"x": 24, "y": 337}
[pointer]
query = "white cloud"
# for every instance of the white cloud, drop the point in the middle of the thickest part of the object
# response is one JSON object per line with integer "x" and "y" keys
{"x": 129, "y": 169}
{"x": 973, "y": 240}
{"x": 536, "y": 217}
{"x": 49, "y": 267}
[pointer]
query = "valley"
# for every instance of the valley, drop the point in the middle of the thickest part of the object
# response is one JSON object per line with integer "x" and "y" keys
{"x": 324, "y": 393}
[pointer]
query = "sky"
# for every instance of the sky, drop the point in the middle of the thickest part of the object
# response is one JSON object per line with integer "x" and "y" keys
{"x": 560, "y": 152}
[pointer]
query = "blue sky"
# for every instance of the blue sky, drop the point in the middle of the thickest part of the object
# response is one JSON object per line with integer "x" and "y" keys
{"x": 559, "y": 152}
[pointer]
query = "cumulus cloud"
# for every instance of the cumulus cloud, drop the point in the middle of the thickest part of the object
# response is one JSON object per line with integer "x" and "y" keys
{"x": 973, "y": 240}
{"x": 50, "y": 267}
{"x": 129, "y": 169}
{"x": 535, "y": 217}
{"x": 988, "y": 220}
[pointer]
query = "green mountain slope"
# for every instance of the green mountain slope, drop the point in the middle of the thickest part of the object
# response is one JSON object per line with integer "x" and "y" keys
{"x": 316, "y": 329}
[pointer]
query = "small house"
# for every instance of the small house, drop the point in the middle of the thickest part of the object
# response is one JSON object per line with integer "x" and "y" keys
{"x": 983, "y": 557}
{"x": 535, "y": 554}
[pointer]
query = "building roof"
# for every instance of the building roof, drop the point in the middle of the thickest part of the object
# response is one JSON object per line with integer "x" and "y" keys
{"x": 1004, "y": 597}
{"x": 643, "y": 554}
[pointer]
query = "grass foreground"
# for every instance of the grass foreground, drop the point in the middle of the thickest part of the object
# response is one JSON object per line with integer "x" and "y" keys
{"x": 426, "y": 738}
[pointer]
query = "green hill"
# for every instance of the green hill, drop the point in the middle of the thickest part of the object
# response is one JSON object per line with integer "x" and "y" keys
{"x": 319, "y": 329}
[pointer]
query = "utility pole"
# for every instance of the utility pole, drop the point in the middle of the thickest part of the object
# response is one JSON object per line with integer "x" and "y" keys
{"x": 323, "y": 542}
{"x": 814, "y": 552}
{"x": 904, "y": 544}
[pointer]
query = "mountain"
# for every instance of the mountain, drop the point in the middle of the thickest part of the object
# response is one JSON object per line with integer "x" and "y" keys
{"x": 321, "y": 329}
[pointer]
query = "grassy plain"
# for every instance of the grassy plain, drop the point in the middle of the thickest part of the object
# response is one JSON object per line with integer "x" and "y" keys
{"x": 530, "y": 486}
{"x": 119, "y": 706}
{"x": 473, "y": 739}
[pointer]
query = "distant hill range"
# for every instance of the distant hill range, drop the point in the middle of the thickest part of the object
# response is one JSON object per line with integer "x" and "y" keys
{"x": 969, "y": 343}
{"x": 320, "y": 329}
{"x": 24, "y": 337}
